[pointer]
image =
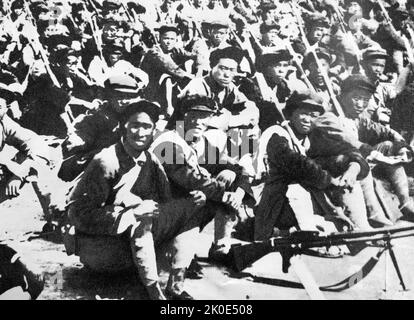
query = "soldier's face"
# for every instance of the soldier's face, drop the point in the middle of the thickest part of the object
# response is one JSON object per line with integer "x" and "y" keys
{"x": 354, "y": 8}
{"x": 318, "y": 33}
{"x": 355, "y": 102}
{"x": 109, "y": 32}
{"x": 271, "y": 37}
{"x": 375, "y": 68}
{"x": 139, "y": 131}
{"x": 114, "y": 57}
{"x": 224, "y": 72}
{"x": 277, "y": 71}
{"x": 219, "y": 35}
{"x": 302, "y": 120}
{"x": 315, "y": 75}
{"x": 195, "y": 124}
{"x": 168, "y": 40}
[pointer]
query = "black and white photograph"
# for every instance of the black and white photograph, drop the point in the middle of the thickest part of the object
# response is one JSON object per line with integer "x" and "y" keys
{"x": 210, "y": 150}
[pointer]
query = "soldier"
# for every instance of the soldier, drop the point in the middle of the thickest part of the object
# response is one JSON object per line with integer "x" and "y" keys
{"x": 356, "y": 94}
{"x": 374, "y": 64}
{"x": 99, "y": 129}
{"x": 114, "y": 64}
{"x": 16, "y": 271}
{"x": 286, "y": 202}
{"x": 166, "y": 59}
{"x": 281, "y": 82}
{"x": 315, "y": 74}
{"x": 123, "y": 201}
{"x": 319, "y": 30}
{"x": 237, "y": 110}
{"x": 199, "y": 161}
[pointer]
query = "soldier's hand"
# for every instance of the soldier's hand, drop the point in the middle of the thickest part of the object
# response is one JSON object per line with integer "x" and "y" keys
{"x": 199, "y": 198}
{"x": 19, "y": 170}
{"x": 336, "y": 182}
{"x": 233, "y": 199}
{"x": 13, "y": 187}
{"x": 148, "y": 208}
{"x": 349, "y": 178}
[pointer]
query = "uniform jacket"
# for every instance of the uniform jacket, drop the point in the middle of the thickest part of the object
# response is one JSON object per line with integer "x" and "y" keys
{"x": 189, "y": 171}
{"x": 96, "y": 204}
{"x": 287, "y": 164}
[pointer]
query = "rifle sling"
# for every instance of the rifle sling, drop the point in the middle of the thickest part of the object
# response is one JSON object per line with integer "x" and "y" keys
{"x": 357, "y": 277}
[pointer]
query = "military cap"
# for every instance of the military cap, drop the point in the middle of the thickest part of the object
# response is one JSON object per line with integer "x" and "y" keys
{"x": 318, "y": 21}
{"x": 305, "y": 99}
{"x": 321, "y": 53}
{"x": 358, "y": 82}
{"x": 60, "y": 53}
{"x": 111, "y": 4}
{"x": 17, "y": 4}
{"x": 375, "y": 54}
{"x": 39, "y": 6}
{"x": 347, "y": 3}
{"x": 269, "y": 59}
{"x": 55, "y": 40}
{"x": 115, "y": 46}
{"x": 122, "y": 83}
{"x": 227, "y": 53}
{"x": 219, "y": 24}
{"x": 198, "y": 103}
{"x": 266, "y": 27}
{"x": 137, "y": 7}
{"x": 150, "y": 108}
{"x": 267, "y": 6}
{"x": 399, "y": 14}
{"x": 167, "y": 28}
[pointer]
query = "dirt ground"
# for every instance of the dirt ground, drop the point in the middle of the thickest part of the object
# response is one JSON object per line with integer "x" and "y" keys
{"x": 66, "y": 279}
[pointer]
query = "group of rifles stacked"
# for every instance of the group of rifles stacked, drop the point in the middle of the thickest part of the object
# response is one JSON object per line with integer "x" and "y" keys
{"x": 138, "y": 123}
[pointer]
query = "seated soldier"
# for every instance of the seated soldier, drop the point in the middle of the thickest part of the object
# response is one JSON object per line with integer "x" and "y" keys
{"x": 199, "y": 161}
{"x": 285, "y": 201}
{"x": 14, "y": 271}
{"x": 375, "y": 141}
{"x": 374, "y": 64}
{"x": 315, "y": 74}
{"x": 237, "y": 110}
{"x": 114, "y": 64}
{"x": 280, "y": 83}
{"x": 98, "y": 129}
{"x": 123, "y": 202}
{"x": 166, "y": 59}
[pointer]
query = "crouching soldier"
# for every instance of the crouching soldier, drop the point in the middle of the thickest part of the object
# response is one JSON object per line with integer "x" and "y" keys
{"x": 292, "y": 175}
{"x": 122, "y": 209}
{"x": 18, "y": 280}
{"x": 196, "y": 159}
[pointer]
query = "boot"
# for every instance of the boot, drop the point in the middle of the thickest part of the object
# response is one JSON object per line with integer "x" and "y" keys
{"x": 376, "y": 215}
{"x": 154, "y": 291}
{"x": 175, "y": 286}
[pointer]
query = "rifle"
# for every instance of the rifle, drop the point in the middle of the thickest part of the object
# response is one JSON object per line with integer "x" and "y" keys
{"x": 243, "y": 256}
{"x": 38, "y": 48}
{"x": 311, "y": 49}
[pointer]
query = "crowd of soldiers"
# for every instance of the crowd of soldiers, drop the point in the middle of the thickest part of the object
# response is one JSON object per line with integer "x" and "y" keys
{"x": 138, "y": 123}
